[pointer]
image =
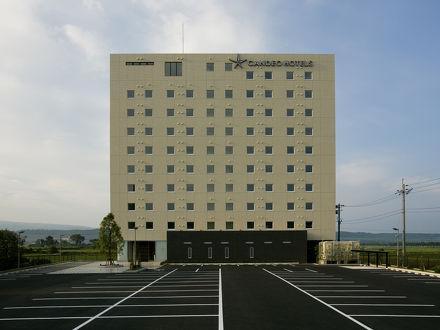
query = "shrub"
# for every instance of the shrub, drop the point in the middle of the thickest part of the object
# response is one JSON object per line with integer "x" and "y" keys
{"x": 437, "y": 269}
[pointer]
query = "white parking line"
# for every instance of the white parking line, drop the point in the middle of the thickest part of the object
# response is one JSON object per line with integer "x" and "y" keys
{"x": 365, "y": 297}
{"x": 335, "y": 282}
{"x": 326, "y": 290}
{"x": 322, "y": 302}
{"x": 121, "y": 301}
{"x": 334, "y": 286}
{"x": 101, "y": 306}
{"x": 144, "y": 297}
{"x": 115, "y": 291}
{"x": 197, "y": 270}
{"x": 311, "y": 270}
{"x": 385, "y": 305}
{"x": 288, "y": 270}
{"x": 103, "y": 317}
{"x": 220, "y": 301}
{"x": 396, "y": 315}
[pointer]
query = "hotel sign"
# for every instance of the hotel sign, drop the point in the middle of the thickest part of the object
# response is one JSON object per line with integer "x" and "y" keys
{"x": 270, "y": 63}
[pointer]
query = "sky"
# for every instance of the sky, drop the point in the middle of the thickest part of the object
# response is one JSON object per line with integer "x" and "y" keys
{"x": 54, "y": 95}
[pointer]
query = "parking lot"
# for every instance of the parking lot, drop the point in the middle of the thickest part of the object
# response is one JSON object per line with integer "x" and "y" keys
{"x": 222, "y": 297}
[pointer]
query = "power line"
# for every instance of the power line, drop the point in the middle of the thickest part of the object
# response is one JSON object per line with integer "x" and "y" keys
{"x": 425, "y": 181}
{"x": 374, "y": 216}
{"x": 373, "y": 219}
{"x": 375, "y": 202}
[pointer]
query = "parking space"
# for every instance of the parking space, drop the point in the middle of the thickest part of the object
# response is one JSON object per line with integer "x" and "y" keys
{"x": 226, "y": 296}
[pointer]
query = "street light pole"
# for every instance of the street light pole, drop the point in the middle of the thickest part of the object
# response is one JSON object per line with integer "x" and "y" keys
{"x": 397, "y": 246}
{"x": 60, "y": 248}
{"x": 18, "y": 247}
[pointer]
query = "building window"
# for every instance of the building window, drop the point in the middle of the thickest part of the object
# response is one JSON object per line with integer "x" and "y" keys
{"x": 209, "y": 169}
{"x": 170, "y": 169}
{"x": 130, "y": 93}
{"x": 290, "y": 112}
{"x": 308, "y": 94}
{"x": 131, "y": 206}
{"x": 131, "y": 187}
{"x": 309, "y": 206}
{"x": 210, "y": 187}
{"x": 170, "y": 150}
{"x": 290, "y": 150}
{"x": 309, "y": 224}
{"x": 148, "y": 131}
{"x": 249, "y": 131}
{"x": 131, "y": 225}
{"x": 148, "y": 112}
{"x": 171, "y": 207}
{"x": 190, "y": 206}
{"x": 229, "y": 169}
{"x": 173, "y": 68}
{"x": 308, "y": 112}
{"x": 229, "y": 131}
{"x": 290, "y": 187}
{"x": 309, "y": 150}
{"x": 209, "y": 112}
{"x": 307, "y": 75}
{"x": 269, "y": 224}
{"x": 268, "y": 94}
{"x": 170, "y": 131}
{"x": 268, "y": 75}
{"x": 189, "y": 93}
{"x": 149, "y": 206}
{"x": 148, "y": 187}
{"x": 210, "y": 94}
{"x": 190, "y": 253}
{"x": 250, "y": 206}
{"x": 250, "y": 225}
{"x": 189, "y": 150}
{"x": 148, "y": 169}
{"x": 170, "y": 112}
{"x": 170, "y": 187}
{"x": 229, "y": 150}
{"x": 229, "y": 206}
{"x": 251, "y": 252}
{"x": 309, "y": 169}
{"x": 148, "y": 93}
{"x": 190, "y": 187}
{"x": 290, "y": 224}
{"x": 269, "y": 187}
{"x": 228, "y": 66}
{"x": 290, "y": 131}
{"x": 189, "y": 168}
{"x": 229, "y": 225}
{"x": 250, "y": 150}
{"x": 209, "y": 131}
{"x": 228, "y": 112}
{"x": 210, "y": 206}
{"x": 289, "y": 75}
{"x": 309, "y": 187}
{"x": 149, "y": 225}
{"x": 149, "y": 150}
{"x": 290, "y": 206}
{"x": 190, "y": 225}
{"x": 171, "y": 225}
{"x": 189, "y": 112}
{"x": 228, "y": 94}
{"x": 209, "y": 66}
{"x": 268, "y": 131}
{"x": 130, "y": 150}
{"x": 130, "y": 112}
{"x": 249, "y": 93}
{"x": 268, "y": 112}
{"x": 130, "y": 169}
{"x": 289, "y": 94}
{"x": 268, "y": 168}
{"x": 250, "y": 168}
{"x": 210, "y": 225}
{"x": 210, "y": 150}
{"x": 268, "y": 150}
{"x": 130, "y": 131}
{"x": 269, "y": 206}
{"x": 249, "y": 112}
{"x": 170, "y": 93}
{"x": 309, "y": 131}
{"x": 290, "y": 168}
{"x": 229, "y": 187}
{"x": 250, "y": 187}
{"x": 249, "y": 75}
{"x": 226, "y": 252}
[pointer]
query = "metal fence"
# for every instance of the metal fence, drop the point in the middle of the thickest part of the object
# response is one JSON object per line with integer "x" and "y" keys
{"x": 39, "y": 259}
{"x": 412, "y": 261}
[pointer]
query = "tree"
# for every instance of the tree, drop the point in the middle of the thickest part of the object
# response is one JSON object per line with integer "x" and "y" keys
{"x": 110, "y": 238}
{"x": 94, "y": 243}
{"x": 8, "y": 249}
{"x": 77, "y": 239}
{"x": 50, "y": 241}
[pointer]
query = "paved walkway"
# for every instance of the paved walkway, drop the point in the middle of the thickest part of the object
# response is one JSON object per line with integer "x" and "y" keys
{"x": 97, "y": 267}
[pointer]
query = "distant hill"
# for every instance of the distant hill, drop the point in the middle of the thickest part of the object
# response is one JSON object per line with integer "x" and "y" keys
{"x": 387, "y": 238}
{"x": 15, "y": 226}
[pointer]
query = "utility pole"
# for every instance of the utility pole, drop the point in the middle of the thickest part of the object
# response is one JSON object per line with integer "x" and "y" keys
{"x": 18, "y": 247}
{"x": 338, "y": 212}
{"x": 404, "y": 191}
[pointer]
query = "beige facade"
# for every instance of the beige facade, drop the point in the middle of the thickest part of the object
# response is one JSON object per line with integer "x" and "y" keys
{"x": 220, "y": 148}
